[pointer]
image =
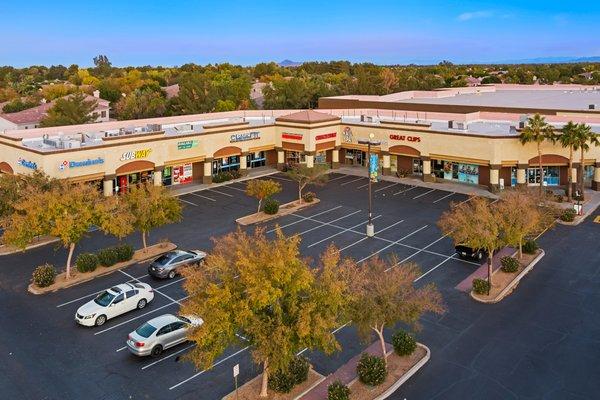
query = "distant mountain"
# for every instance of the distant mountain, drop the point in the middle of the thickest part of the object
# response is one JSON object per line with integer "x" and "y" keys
{"x": 550, "y": 60}
{"x": 289, "y": 63}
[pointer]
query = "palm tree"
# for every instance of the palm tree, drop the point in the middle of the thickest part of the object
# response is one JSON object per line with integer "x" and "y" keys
{"x": 568, "y": 138}
{"x": 584, "y": 137}
{"x": 537, "y": 131}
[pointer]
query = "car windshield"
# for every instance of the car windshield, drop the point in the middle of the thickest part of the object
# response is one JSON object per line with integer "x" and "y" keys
{"x": 164, "y": 259}
{"x": 145, "y": 330}
{"x": 104, "y": 299}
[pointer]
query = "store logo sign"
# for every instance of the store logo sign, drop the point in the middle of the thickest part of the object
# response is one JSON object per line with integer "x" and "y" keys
{"x": 347, "y": 136}
{"x": 187, "y": 144}
{"x": 292, "y": 136}
{"x": 85, "y": 163}
{"x": 134, "y": 155}
{"x": 326, "y": 136}
{"x": 27, "y": 164}
{"x": 413, "y": 139}
{"x": 242, "y": 137}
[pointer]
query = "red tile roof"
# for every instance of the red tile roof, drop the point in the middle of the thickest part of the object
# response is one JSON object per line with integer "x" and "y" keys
{"x": 308, "y": 117}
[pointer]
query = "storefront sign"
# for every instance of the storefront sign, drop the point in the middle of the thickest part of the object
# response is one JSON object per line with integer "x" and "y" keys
{"x": 326, "y": 136}
{"x": 182, "y": 174}
{"x": 134, "y": 155}
{"x": 407, "y": 138}
{"x": 347, "y": 135}
{"x": 84, "y": 163}
{"x": 187, "y": 144}
{"x": 292, "y": 136}
{"x": 27, "y": 164}
{"x": 242, "y": 137}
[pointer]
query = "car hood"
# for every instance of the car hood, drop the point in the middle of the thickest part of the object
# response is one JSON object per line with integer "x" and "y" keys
{"x": 89, "y": 308}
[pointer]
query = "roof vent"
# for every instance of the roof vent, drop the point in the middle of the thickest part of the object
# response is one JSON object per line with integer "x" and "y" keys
{"x": 592, "y": 107}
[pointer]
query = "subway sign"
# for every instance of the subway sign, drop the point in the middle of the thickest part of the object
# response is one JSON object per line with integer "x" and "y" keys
{"x": 84, "y": 163}
{"x": 242, "y": 137}
{"x": 135, "y": 155}
{"x": 405, "y": 138}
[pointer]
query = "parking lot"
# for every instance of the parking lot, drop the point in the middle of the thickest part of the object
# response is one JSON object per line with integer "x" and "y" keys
{"x": 48, "y": 356}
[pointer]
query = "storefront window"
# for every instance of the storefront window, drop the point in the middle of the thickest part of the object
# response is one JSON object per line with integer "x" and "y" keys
{"x": 417, "y": 166}
{"x": 226, "y": 164}
{"x": 513, "y": 176}
{"x": 551, "y": 176}
{"x": 294, "y": 157}
{"x": 320, "y": 157}
{"x": 167, "y": 176}
{"x": 122, "y": 182}
{"x": 452, "y": 171}
{"x": 355, "y": 157}
{"x": 257, "y": 159}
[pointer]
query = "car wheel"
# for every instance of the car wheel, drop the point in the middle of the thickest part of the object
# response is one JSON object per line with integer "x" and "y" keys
{"x": 100, "y": 320}
{"x": 156, "y": 351}
{"x": 141, "y": 304}
{"x": 171, "y": 274}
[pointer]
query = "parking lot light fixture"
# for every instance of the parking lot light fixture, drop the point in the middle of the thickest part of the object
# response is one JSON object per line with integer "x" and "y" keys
{"x": 370, "y": 142}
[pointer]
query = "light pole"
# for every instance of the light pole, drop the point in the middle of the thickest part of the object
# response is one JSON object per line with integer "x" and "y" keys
{"x": 370, "y": 142}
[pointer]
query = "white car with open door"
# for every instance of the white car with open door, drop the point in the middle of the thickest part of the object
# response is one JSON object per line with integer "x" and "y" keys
{"x": 113, "y": 302}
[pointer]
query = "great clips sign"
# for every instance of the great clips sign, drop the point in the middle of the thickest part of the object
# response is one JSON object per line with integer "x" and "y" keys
{"x": 413, "y": 139}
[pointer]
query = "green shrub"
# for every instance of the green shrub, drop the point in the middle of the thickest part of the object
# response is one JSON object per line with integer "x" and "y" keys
{"x": 559, "y": 198}
{"x": 568, "y": 215}
{"x": 530, "y": 246}
{"x": 283, "y": 381}
{"x": 124, "y": 252}
{"x": 44, "y": 275}
{"x": 86, "y": 262}
{"x": 108, "y": 257}
{"x": 308, "y": 197}
{"x": 509, "y": 264}
{"x": 481, "y": 286}
{"x": 371, "y": 370}
{"x": 338, "y": 391}
{"x": 404, "y": 344}
{"x": 271, "y": 206}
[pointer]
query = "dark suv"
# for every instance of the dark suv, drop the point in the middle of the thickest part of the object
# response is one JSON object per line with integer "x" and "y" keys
{"x": 469, "y": 253}
{"x": 166, "y": 265}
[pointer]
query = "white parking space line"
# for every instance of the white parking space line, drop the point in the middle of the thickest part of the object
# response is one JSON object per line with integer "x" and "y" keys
{"x": 167, "y": 357}
{"x": 140, "y": 316}
{"x": 392, "y": 244}
{"x": 154, "y": 289}
{"x": 223, "y": 193}
{"x": 188, "y": 202}
{"x": 299, "y": 216}
{"x": 322, "y": 226}
{"x": 353, "y": 180}
{"x": 363, "y": 186}
{"x": 212, "y": 366}
{"x": 233, "y": 187}
{"x": 121, "y": 349}
{"x": 405, "y": 190}
{"x": 419, "y": 251}
{"x": 95, "y": 293}
{"x": 387, "y": 187}
{"x": 434, "y": 268}
{"x": 203, "y": 197}
{"x": 342, "y": 231}
{"x": 170, "y": 283}
{"x": 445, "y": 197}
{"x": 423, "y": 194}
{"x": 367, "y": 237}
{"x": 339, "y": 177}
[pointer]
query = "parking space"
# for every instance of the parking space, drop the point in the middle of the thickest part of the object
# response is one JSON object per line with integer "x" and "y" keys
{"x": 405, "y": 220}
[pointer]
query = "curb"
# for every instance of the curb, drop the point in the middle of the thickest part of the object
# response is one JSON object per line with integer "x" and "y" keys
{"x": 29, "y": 247}
{"x": 31, "y": 288}
{"x": 279, "y": 214}
{"x": 513, "y": 284}
{"x": 413, "y": 370}
{"x": 314, "y": 385}
{"x": 216, "y": 185}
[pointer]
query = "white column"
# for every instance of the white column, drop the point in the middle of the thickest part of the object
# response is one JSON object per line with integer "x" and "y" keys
{"x": 335, "y": 156}
{"x": 386, "y": 161}
{"x": 521, "y": 176}
{"x": 157, "y": 178}
{"x": 280, "y": 157}
{"x": 573, "y": 175}
{"x": 243, "y": 162}
{"x": 208, "y": 168}
{"x": 310, "y": 161}
{"x": 494, "y": 176}
{"x": 107, "y": 187}
{"x": 426, "y": 167}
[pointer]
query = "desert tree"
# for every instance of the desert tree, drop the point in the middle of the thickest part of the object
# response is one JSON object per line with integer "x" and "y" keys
{"x": 303, "y": 175}
{"x": 263, "y": 291}
{"x": 519, "y": 215}
{"x": 262, "y": 189}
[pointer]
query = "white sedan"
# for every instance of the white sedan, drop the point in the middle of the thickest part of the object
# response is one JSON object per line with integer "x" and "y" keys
{"x": 113, "y": 302}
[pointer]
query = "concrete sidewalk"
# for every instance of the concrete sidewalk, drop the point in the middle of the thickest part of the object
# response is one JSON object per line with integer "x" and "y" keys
{"x": 345, "y": 374}
{"x": 445, "y": 186}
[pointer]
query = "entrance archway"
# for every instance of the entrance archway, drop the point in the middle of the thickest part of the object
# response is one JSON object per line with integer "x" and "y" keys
{"x": 5, "y": 168}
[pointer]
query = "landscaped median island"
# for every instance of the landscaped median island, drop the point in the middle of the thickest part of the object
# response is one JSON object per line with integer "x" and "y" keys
{"x": 90, "y": 266}
{"x": 284, "y": 209}
{"x": 506, "y": 278}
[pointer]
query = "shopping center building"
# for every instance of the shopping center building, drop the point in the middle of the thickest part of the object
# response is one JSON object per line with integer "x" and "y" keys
{"x": 457, "y": 135}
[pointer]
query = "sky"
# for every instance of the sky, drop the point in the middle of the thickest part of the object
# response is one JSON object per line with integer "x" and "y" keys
{"x": 170, "y": 33}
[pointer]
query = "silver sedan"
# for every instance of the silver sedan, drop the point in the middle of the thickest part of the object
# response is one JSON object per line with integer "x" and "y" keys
{"x": 160, "y": 333}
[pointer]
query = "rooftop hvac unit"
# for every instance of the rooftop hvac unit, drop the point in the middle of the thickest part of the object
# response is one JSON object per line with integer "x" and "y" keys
{"x": 461, "y": 125}
{"x": 450, "y": 124}
{"x": 154, "y": 127}
{"x": 592, "y": 106}
{"x": 521, "y": 124}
